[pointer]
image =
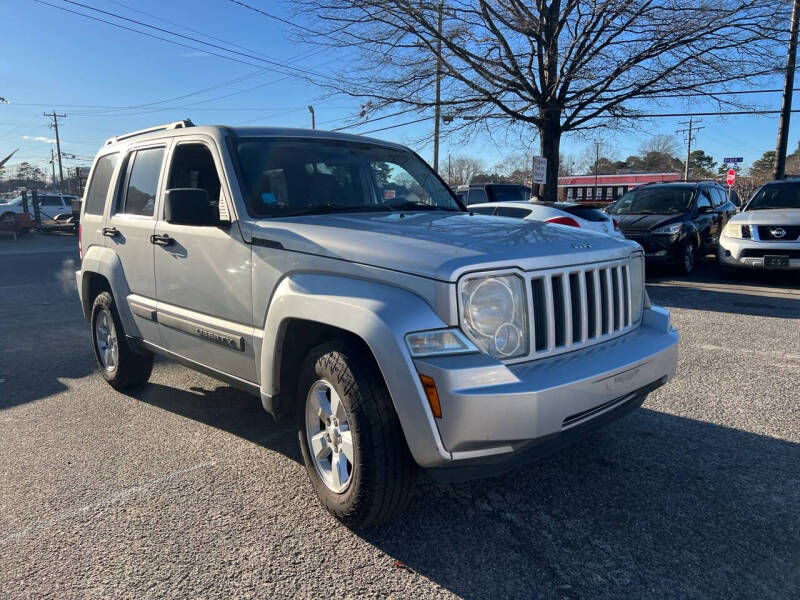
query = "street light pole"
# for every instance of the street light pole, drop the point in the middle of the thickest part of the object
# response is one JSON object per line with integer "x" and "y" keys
{"x": 786, "y": 106}
{"x": 313, "y": 120}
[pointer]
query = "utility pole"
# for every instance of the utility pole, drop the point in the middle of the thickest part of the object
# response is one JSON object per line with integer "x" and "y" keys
{"x": 438, "y": 107}
{"x": 786, "y": 106}
{"x": 313, "y": 120}
{"x": 690, "y": 130}
{"x": 596, "y": 160}
{"x": 54, "y": 125}
{"x": 53, "y": 166}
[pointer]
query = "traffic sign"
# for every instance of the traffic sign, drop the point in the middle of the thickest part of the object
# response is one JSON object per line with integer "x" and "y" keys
{"x": 539, "y": 169}
{"x": 736, "y": 159}
{"x": 731, "y": 176}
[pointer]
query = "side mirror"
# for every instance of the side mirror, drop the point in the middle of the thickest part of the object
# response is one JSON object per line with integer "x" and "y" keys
{"x": 190, "y": 206}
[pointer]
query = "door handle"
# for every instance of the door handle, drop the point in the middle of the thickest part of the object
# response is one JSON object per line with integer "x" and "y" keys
{"x": 161, "y": 240}
{"x": 110, "y": 231}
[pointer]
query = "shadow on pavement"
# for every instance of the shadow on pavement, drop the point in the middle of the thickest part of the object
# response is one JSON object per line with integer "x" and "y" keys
{"x": 225, "y": 408}
{"x": 726, "y": 299}
{"x": 654, "y": 506}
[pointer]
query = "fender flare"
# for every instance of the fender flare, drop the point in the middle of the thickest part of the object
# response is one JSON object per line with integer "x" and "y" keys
{"x": 380, "y": 315}
{"x": 104, "y": 261}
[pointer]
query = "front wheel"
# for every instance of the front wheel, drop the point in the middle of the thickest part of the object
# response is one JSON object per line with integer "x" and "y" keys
{"x": 120, "y": 366}
{"x": 350, "y": 437}
{"x": 686, "y": 258}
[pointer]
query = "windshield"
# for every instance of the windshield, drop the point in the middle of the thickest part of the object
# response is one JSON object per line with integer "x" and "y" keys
{"x": 283, "y": 177}
{"x": 14, "y": 201}
{"x": 780, "y": 195}
{"x": 509, "y": 193}
{"x": 654, "y": 201}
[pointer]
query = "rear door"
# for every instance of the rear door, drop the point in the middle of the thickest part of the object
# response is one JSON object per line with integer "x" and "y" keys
{"x": 203, "y": 272}
{"x": 129, "y": 228}
{"x": 98, "y": 191}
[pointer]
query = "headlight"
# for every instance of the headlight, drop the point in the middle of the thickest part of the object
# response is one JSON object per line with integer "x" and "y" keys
{"x": 495, "y": 314}
{"x": 736, "y": 231}
{"x": 438, "y": 342}
{"x": 637, "y": 287}
{"x": 669, "y": 229}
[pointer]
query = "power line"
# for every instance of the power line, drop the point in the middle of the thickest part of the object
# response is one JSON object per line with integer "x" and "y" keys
{"x": 275, "y": 63}
{"x": 393, "y": 126}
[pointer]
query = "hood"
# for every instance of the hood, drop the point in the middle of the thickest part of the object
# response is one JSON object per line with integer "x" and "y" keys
{"x": 646, "y": 222}
{"x": 439, "y": 245}
{"x": 774, "y": 216}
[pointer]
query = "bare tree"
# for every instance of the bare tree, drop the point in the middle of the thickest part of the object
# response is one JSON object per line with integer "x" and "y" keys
{"x": 461, "y": 169}
{"x": 660, "y": 144}
{"x": 551, "y": 65}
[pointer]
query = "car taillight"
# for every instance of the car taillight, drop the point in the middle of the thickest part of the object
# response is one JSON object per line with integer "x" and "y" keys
{"x": 563, "y": 221}
{"x": 616, "y": 224}
{"x": 80, "y": 240}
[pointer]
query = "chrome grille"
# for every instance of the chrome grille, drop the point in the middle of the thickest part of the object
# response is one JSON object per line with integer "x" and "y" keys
{"x": 579, "y": 306}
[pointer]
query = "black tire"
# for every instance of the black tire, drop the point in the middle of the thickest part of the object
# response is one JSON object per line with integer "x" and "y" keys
{"x": 131, "y": 368}
{"x": 8, "y": 217}
{"x": 383, "y": 473}
{"x": 687, "y": 258}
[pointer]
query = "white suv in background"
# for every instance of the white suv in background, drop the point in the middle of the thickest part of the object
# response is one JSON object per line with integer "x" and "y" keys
{"x": 766, "y": 233}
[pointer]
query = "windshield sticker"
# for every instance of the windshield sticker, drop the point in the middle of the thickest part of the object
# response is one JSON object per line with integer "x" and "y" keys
{"x": 268, "y": 198}
{"x": 389, "y": 194}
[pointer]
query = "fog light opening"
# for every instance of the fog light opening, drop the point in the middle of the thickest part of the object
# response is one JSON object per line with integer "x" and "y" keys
{"x": 429, "y": 385}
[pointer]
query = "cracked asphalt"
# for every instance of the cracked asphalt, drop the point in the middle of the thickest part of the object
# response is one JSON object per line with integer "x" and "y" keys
{"x": 187, "y": 489}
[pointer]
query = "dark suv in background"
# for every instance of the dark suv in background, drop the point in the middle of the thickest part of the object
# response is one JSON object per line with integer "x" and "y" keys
{"x": 675, "y": 222}
{"x": 480, "y": 193}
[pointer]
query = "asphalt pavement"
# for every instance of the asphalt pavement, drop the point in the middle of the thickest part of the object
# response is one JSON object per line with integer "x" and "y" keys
{"x": 188, "y": 489}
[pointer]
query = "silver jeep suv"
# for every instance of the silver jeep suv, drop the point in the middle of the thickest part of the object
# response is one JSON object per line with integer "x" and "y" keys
{"x": 341, "y": 281}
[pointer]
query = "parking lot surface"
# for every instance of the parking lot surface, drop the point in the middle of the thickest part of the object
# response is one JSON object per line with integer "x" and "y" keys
{"x": 187, "y": 488}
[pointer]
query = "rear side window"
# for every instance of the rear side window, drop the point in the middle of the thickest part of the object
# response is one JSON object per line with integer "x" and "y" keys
{"x": 585, "y": 212}
{"x": 483, "y": 210}
{"x": 49, "y": 201}
{"x": 477, "y": 196}
{"x": 508, "y": 211}
{"x": 98, "y": 186}
{"x": 139, "y": 193}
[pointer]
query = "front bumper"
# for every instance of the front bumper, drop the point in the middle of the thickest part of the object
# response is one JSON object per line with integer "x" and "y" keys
{"x": 658, "y": 248}
{"x": 494, "y": 413}
{"x": 743, "y": 253}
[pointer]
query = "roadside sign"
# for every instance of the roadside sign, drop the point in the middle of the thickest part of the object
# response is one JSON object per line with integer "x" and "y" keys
{"x": 731, "y": 176}
{"x": 539, "y": 169}
{"x": 736, "y": 159}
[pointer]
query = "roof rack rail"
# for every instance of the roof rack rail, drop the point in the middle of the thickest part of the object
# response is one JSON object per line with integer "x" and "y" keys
{"x": 165, "y": 127}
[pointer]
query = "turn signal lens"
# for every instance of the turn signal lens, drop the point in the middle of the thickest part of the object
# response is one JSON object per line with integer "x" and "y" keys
{"x": 616, "y": 224}
{"x": 429, "y": 385}
{"x": 563, "y": 221}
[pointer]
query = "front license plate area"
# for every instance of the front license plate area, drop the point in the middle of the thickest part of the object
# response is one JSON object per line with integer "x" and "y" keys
{"x": 776, "y": 261}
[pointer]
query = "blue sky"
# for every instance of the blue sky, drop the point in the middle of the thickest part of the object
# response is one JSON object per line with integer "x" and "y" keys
{"x": 52, "y": 59}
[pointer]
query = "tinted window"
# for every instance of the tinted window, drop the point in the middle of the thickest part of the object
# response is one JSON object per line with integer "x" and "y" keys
{"x": 284, "y": 177}
{"x": 718, "y": 197}
{"x": 45, "y": 200}
{"x": 776, "y": 195}
{"x": 585, "y": 212}
{"x": 703, "y": 199}
{"x": 509, "y": 193}
{"x": 140, "y": 193}
{"x": 483, "y": 210}
{"x": 477, "y": 196}
{"x": 655, "y": 201}
{"x": 193, "y": 167}
{"x": 98, "y": 186}
{"x": 517, "y": 213}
